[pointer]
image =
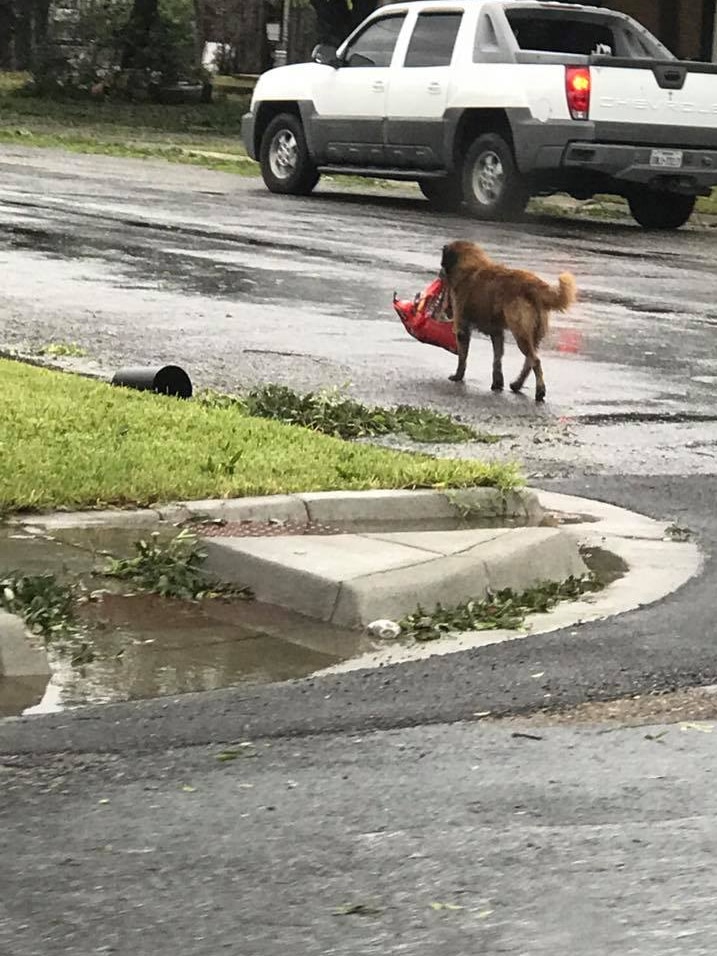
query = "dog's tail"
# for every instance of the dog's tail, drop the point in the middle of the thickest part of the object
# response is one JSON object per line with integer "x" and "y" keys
{"x": 562, "y": 297}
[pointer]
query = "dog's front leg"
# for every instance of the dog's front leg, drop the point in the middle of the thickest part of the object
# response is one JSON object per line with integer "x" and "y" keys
{"x": 498, "y": 340}
{"x": 463, "y": 338}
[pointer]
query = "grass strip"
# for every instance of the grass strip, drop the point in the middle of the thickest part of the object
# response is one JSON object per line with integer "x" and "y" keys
{"x": 69, "y": 442}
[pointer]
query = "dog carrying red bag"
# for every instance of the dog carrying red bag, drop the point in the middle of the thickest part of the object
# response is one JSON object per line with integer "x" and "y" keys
{"x": 425, "y": 317}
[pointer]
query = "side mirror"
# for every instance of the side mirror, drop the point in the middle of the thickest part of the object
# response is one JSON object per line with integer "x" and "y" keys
{"x": 326, "y": 55}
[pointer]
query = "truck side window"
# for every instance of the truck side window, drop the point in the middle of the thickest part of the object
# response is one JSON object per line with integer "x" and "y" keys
{"x": 375, "y": 45}
{"x": 433, "y": 39}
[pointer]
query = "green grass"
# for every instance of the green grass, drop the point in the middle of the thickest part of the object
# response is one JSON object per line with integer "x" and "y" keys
{"x": 202, "y": 134}
{"x": 62, "y": 350}
{"x": 66, "y": 441}
{"x": 708, "y": 204}
{"x": 193, "y": 156}
{"x": 606, "y": 207}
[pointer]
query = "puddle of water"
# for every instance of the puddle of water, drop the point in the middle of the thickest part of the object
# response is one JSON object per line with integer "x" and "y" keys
{"x": 642, "y": 418}
{"x": 19, "y": 693}
{"x": 556, "y": 519}
{"x": 36, "y": 554}
{"x": 607, "y": 566}
{"x": 148, "y": 646}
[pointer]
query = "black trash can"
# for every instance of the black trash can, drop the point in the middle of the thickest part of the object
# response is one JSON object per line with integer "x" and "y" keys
{"x": 166, "y": 380}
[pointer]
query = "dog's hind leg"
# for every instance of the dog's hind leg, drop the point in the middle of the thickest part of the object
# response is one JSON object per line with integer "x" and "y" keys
{"x": 498, "y": 340}
{"x": 539, "y": 380}
{"x": 517, "y": 383}
{"x": 532, "y": 363}
{"x": 463, "y": 338}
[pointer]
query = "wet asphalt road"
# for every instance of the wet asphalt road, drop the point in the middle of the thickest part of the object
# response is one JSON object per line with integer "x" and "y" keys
{"x": 211, "y": 271}
{"x": 439, "y": 841}
{"x": 593, "y": 843}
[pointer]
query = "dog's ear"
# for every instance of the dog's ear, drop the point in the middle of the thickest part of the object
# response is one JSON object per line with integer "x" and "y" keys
{"x": 449, "y": 259}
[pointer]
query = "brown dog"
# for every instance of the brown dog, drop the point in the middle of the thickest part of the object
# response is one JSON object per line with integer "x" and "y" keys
{"x": 492, "y": 298}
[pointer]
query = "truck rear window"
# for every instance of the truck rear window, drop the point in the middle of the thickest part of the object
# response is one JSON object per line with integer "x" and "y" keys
{"x": 560, "y": 33}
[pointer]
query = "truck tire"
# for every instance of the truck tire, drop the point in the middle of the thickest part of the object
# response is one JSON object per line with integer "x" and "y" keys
{"x": 657, "y": 210}
{"x": 444, "y": 195}
{"x": 286, "y": 166}
{"x": 492, "y": 185}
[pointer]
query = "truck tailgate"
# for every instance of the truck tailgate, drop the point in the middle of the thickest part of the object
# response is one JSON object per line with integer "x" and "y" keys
{"x": 657, "y": 93}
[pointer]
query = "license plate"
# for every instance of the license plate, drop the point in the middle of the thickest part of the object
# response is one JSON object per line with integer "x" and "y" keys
{"x": 669, "y": 158}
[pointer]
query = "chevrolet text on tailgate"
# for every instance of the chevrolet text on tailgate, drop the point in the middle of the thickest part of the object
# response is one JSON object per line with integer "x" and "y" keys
{"x": 485, "y": 103}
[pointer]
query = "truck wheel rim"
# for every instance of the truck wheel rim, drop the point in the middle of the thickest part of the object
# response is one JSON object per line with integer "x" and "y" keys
{"x": 283, "y": 154}
{"x": 488, "y": 178}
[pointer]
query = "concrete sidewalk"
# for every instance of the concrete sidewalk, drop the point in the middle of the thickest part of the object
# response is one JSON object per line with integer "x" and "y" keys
{"x": 353, "y": 579}
{"x": 344, "y": 559}
{"x": 379, "y": 553}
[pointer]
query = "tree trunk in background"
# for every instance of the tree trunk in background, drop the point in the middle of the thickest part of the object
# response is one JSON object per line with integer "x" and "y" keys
{"x": 200, "y": 25}
{"x": 30, "y": 31}
{"x": 303, "y": 34}
{"x": 249, "y": 40}
{"x": 336, "y": 19}
{"x": 143, "y": 16}
{"x": 7, "y": 35}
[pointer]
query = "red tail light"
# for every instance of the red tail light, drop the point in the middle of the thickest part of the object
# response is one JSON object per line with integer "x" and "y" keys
{"x": 577, "y": 88}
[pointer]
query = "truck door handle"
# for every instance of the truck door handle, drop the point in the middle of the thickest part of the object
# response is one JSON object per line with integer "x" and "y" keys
{"x": 434, "y": 87}
{"x": 378, "y": 87}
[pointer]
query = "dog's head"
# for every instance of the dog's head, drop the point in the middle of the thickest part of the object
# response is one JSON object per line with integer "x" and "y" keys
{"x": 457, "y": 254}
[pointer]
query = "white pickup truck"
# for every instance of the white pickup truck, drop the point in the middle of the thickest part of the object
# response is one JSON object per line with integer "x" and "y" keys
{"x": 488, "y": 102}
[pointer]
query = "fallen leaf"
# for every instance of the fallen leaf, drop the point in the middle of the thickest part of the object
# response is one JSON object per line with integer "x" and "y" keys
{"x": 484, "y": 914}
{"x": 539, "y": 674}
{"x": 703, "y": 728}
{"x": 445, "y": 906}
{"x": 245, "y": 749}
{"x": 103, "y": 800}
{"x": 187, "y": 789}
{"x": 356, "y": 909}
{"x": 482, "y": 713}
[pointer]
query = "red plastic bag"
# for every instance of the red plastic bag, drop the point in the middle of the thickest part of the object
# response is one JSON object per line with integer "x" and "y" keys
{"x": 421, "y": 317}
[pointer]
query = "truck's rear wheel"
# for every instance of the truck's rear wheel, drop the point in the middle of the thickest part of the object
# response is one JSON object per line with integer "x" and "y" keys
{"x": 286, "y": 165}
{"x": 492, "y": 185}
{"x": 443, "y": 194}
{"x": 658, "y": 210}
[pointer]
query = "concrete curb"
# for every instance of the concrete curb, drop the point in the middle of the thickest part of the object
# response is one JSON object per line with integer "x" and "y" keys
{"x": 325, "y": 507}
{"x": 18, "y": 657}
{"x": 350, "y": 580}
{"x": 657, "y": 566}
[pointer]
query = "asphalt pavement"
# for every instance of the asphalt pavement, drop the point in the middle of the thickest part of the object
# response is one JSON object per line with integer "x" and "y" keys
{"x": 435, "y": 841}
{"x": 378, "y": 801}
{"x": 141, "y": 261}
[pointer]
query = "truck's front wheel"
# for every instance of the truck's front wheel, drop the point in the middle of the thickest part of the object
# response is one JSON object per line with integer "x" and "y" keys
{"x": 492, "y": 185}
{"x": 656, "y": 210}
{"x": 286, "y": 165}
